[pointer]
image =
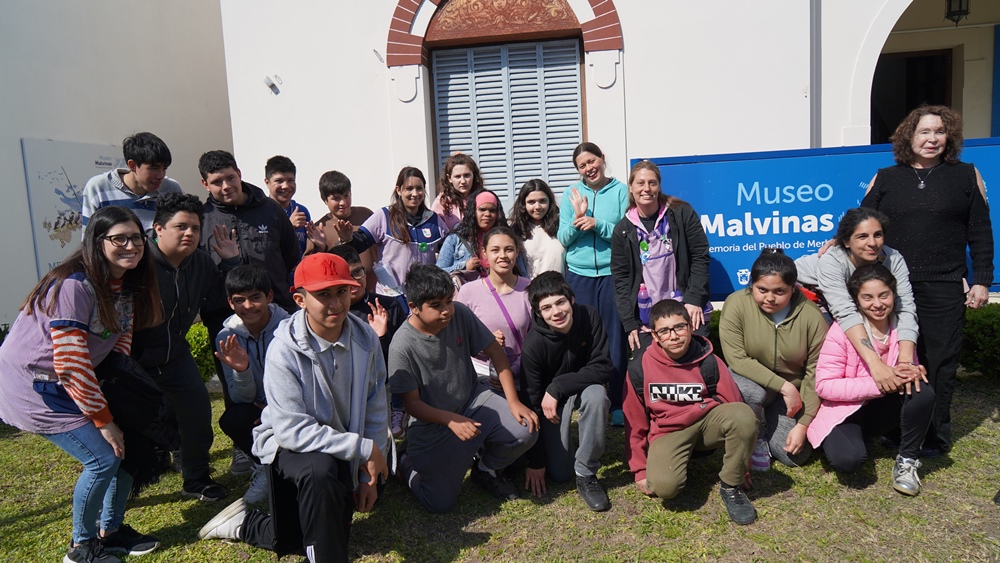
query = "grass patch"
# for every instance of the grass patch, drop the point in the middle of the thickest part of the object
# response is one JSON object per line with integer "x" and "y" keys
{"x": 805, "y": 514}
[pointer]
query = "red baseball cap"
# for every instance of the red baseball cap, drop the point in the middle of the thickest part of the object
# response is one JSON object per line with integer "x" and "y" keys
{"x": 321, "y": 270}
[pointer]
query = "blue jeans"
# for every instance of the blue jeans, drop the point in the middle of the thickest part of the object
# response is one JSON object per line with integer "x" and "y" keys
{"x": 102, "y": 488}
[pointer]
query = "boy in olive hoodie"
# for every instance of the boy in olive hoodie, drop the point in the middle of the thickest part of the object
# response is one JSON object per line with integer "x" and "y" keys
{"x": 565, "y": 366}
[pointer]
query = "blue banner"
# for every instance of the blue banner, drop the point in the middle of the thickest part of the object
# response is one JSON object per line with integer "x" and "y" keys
{"x": 790, "y": 199}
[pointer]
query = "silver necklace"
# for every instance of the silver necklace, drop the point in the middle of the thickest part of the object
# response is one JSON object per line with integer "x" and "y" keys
{"x": 923, "y": 183}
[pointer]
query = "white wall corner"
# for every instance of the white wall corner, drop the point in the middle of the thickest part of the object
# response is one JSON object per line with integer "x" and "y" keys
{"x": 404, "y": 81}
{"x": 584, "y": 13}
{"x": 603, "y": 67}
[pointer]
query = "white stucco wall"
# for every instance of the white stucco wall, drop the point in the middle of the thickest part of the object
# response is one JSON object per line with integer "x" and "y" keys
{"x": 730, "y": 77}
{"x": 332, "y": 112}
{"x": 95, "y": 72}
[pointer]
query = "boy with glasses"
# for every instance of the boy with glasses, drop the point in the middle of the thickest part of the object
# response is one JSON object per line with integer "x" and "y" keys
{"x": 565, "y": 366}
{"x": 682, "y": 398}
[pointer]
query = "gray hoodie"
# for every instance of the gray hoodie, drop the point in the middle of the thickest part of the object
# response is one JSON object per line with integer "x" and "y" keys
{"x": 303, "y": 392}
{"x": 248, "y": 386}
{"x": 830, "y": 273}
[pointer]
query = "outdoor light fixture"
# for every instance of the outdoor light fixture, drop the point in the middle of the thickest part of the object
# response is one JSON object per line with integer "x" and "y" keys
{"x": 956, "y": 10}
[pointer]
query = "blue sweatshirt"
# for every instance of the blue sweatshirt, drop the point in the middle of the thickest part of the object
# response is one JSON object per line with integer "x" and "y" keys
{"x": 588, "y": 253}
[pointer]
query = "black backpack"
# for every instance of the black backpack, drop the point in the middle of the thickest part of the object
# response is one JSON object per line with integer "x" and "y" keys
{"x": 709, "y": 370}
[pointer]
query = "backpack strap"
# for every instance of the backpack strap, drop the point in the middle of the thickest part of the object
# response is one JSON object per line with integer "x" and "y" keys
{"x": 709, "y": 368}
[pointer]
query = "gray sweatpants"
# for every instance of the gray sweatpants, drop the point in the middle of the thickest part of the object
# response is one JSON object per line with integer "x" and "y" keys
{"x": 770, "y": 409}
{"x": 564, "y": 460}
{"x": 436, "y": 476}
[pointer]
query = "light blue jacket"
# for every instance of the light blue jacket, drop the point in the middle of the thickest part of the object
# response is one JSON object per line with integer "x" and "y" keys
{"x": 248, "y": 386}
{"x": 588, "y": 253}
{"x": 301, "y": 412}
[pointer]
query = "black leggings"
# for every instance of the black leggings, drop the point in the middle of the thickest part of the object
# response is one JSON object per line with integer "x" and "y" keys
{"x": 845, "y": 448}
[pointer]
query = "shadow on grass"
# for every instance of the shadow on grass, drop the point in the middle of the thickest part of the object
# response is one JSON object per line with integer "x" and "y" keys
{"x": 7, "y": 431}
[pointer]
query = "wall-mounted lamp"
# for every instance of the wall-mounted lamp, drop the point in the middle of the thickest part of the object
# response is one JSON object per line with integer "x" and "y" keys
{"x": 270, "y": 84}
{"x": 956, "y": 10}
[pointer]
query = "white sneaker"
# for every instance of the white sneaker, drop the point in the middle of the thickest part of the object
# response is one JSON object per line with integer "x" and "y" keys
{"x": 760, "y": 460}
{"x": 226, "y": 524}
{"x": 257, "y": 492}
{"x": 904, "y": 476}
{"x": 399, "y": 420}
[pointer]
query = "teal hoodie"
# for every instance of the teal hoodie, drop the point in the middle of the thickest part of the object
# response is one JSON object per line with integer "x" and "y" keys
{"x": 588, "y": 253}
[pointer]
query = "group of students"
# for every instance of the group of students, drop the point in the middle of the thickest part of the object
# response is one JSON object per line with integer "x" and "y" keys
{"x": 474, "y": 337}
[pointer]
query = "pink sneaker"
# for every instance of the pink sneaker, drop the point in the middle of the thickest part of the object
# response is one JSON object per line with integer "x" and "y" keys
{"x": 761, "y": 458}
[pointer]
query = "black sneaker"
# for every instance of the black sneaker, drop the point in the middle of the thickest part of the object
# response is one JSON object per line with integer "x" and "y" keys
{"x": 130, "y": 542}
{"x": 204, "y": 489}
{"x": 90, "y": 551}
{"x": 738, "y": 505}
{"x": 497, "y": 485}
{"x": 592, "y": 492}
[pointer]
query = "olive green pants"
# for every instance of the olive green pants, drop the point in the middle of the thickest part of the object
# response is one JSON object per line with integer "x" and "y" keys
{"x": 731, "y": 425}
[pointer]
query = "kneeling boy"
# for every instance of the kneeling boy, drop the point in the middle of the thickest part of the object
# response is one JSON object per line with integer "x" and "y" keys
{"x": 241, "y": 347}
{"x": 565, "y": 365}
{"x": 454, "y": 415}
{"x": 325, "y": 425}
{"x": 684, "y": 399}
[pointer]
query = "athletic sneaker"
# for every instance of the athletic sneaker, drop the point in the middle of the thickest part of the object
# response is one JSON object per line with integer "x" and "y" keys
{"x": 204, "y": 489}
{"x": 738, "y": 505}
{"x": 399, "y": 420}
{"x": 760, "y": 460}
{"x": 176, "y": 464}
{"x": 241, "y": 464}
{"x": 127, "y": 541}
{"x": 226, "y": 524}
{"x": 257, "y": 492}
{"x": 904, "y": 476}
{"x": 90, "y": 551}
{"x": 592, "y": 492}
{"x": 497, "y": 485}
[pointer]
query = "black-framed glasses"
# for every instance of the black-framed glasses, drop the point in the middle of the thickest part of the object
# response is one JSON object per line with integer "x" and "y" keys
{"x": 678, "y": 329}
{"x": 121, "y": 241}
{"x": 359, "y": 273}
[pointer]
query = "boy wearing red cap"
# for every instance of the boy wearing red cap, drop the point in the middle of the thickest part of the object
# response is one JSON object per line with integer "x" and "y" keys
{"x": 325, "y": 425}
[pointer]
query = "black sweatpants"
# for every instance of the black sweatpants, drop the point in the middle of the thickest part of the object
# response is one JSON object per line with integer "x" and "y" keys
{"x": 237, "y": 422}
{"x": 845, "y": 447}
{"x": 941, "y": 316}
{"x": 312, "y": 504}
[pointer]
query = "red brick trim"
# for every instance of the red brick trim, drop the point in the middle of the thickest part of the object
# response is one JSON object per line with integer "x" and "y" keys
{"x": 603, "y": 33}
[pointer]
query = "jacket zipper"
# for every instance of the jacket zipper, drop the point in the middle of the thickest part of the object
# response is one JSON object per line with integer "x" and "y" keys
{"x": 177, "y": 299}
{"x": 597, "y": 272}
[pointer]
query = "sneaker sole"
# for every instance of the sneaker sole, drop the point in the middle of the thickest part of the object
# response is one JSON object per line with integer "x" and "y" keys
{"x": 905, "y": 491}
{"x": 134, "y": 552}
{"x": 201, "y": 497}
{"x": 222, "y": 517}
{"x": 240, "y": 472}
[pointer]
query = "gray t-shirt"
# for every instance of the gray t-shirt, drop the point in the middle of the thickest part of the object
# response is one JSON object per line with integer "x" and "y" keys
{"x": 440, "y": 367}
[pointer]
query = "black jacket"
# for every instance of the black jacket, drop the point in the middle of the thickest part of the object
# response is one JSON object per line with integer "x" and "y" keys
{"x": 563, "y": 365}
{"x": 690, "y": 254}
{"x": 397, "y": 316}
{"x": 265, "y": 235}
{"x": 197, "y": 282}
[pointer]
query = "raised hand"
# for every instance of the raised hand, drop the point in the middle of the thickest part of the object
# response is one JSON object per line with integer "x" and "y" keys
{"x": 379, "y": 319}
{"x": 224, "y": 242}
{"x": 232, "y": 354}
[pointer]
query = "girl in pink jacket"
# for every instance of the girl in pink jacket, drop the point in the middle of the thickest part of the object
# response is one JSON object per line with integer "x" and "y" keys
{"x": 852, "y": 406}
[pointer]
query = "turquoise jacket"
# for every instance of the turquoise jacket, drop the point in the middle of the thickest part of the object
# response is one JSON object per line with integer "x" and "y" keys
{"x": 588, "y": 253}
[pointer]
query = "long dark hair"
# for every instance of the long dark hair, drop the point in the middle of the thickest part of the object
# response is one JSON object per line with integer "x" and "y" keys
{"x": 397, "y": 211}
{"x": 867, "y": 273}
{"x": 467, "y": 230}
{"x": 521, "y": 223}
{"x": 449, "y": 195}
{"x": 854, "y": 217}
{"x": 90, "y": 259}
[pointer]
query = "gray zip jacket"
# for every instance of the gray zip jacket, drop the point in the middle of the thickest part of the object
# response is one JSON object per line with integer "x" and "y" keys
{"x": 301, "y": 413}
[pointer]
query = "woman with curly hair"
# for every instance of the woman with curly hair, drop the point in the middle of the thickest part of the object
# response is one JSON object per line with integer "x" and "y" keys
{"x": 535, "y": 219}
{"x": 938, "y": 210}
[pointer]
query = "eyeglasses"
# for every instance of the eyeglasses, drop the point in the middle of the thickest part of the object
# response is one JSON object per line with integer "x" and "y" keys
{"x": 359, "y": 273}
{"x": 679, "y": 330}
{"x": 122, "y": 241}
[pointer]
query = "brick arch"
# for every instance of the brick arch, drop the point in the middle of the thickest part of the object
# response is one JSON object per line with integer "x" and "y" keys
{"x": 602, "y": 33}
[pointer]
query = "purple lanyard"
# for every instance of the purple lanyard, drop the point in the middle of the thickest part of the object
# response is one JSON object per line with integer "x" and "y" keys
{"x": 506, "y": 315}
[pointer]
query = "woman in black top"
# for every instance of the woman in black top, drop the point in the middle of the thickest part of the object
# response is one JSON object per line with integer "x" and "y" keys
{"x": 937, "y": 207}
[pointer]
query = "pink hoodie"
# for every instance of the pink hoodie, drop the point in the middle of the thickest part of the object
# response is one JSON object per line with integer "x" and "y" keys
{"x": 843, "y": 382}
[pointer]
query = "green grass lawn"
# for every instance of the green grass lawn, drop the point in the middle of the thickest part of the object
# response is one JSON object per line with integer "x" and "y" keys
{"x": 804, "y": 514}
